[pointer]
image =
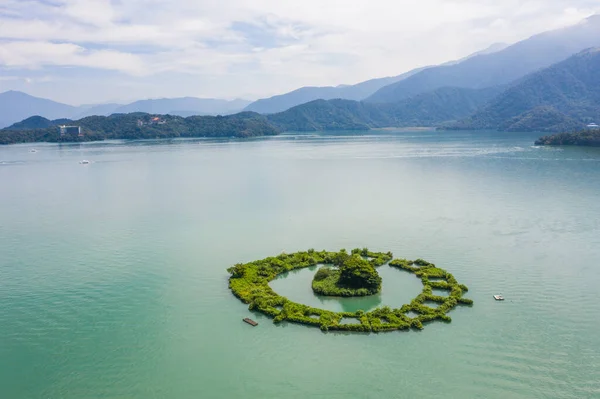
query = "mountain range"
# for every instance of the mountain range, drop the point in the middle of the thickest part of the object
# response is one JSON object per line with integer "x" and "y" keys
{"x": 356, "y": 92}
{"x": 548, "y": 82}
{"x": 303, "y": 95}
{"x": 562, "y": 97}
{"x": 428, "y": 109}
{"x": 16, "y": 106}
{"x": 565, "y": 96}
{"x": 498, "y": 68}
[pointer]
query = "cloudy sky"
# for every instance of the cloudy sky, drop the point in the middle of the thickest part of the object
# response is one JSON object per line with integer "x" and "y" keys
{"x": 91, "y": 51}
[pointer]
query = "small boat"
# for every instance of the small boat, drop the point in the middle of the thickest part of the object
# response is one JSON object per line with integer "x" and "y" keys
{"x": 33, "y": 150}
{"x": 84, "y": 162}
{"x": 498, "y": 297}
{"x": 251, "y": 322}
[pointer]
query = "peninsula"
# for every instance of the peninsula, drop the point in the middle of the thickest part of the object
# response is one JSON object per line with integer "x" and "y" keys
{"x": 136, "y": 126}
{"x": 589, "y": 138}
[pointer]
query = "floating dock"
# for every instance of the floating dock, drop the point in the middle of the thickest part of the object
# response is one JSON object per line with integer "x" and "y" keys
{"x": 251, "y": 322}
{"x": 498, "y": 297}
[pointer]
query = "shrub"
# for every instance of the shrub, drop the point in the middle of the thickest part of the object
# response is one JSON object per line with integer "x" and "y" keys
{"x": 355, "y": 276}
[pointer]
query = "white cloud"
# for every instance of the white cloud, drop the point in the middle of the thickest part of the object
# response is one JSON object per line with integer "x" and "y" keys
{"x": 234, "y": 47}
{"x": 39, "y": 54}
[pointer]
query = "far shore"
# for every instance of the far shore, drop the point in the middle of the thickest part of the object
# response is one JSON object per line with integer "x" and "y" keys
{"x": 407, "y": 129}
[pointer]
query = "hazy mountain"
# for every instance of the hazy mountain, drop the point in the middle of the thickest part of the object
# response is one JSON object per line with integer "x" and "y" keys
{"x": 303, "y": 95}
{"x": 563, "y": 96}
{"x": 501, "y": 67}
{"x": 428, "y": 109}
{"x": 99, "y": 109}
{"x": 16, "y": 106}
{"x": 185, "y": 106}
{"x": 494, "y": 48}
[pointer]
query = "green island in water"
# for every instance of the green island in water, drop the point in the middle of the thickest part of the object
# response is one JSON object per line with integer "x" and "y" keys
{"x": 347, "y": 275}
{"x": 354, "y": 275}
{"x": 588, "y": 138}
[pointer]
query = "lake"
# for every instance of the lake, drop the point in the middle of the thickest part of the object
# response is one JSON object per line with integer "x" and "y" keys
{"x": 113, "y": 279}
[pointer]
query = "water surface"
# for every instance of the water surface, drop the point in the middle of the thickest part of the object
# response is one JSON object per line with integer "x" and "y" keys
{"x": 113, "y": 281}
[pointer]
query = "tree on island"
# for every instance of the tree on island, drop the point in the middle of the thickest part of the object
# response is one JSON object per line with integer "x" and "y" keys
{"x": 355, "y": 276}
{"x": 357, "y": 272}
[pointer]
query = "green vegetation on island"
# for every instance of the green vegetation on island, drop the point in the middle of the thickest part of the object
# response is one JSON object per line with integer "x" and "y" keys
{"x": 355, "y": 274}
{"x": 140, "y": 126}
{"x": 250, "y": 283}
{"x": 588, "y": 138}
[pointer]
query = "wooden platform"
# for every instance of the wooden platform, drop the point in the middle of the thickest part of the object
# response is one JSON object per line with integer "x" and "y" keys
{"x": 251, "y": 322}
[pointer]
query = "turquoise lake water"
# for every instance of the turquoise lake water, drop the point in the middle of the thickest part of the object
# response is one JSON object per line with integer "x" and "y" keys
{"x": 113, "y": 280}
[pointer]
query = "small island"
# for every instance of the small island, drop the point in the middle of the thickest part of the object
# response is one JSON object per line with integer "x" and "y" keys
{"x": 250, "y": 283}
{"x": 355, "y": 274}
{"x": 587, "y": 138}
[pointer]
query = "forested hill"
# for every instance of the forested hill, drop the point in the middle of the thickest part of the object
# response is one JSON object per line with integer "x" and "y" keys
{"x": 429, "y": 109}
{"x": 498, "y": 68}
{"x": 37, "y": 122}
{"x": 563, "y": 97}
{"x": 144, "y": 126}
{"x": 590, "y": 138}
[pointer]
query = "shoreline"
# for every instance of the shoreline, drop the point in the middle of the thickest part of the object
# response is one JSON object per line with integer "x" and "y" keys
{"x": 406, "y": 129}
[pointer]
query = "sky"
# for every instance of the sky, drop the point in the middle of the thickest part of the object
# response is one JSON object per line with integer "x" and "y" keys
{"x": 97, "y": 51}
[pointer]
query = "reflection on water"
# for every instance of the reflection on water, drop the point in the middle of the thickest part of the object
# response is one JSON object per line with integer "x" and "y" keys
{"x": 398, "y": 287}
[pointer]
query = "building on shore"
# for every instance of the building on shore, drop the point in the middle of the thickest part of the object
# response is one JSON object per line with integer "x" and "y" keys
{"x": 70, "y": 130}
{"x": 156, "y": 120}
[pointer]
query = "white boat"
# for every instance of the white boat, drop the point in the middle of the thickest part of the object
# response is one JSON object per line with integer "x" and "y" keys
{"x": 498, "y": 297}
{"x": 84, "y": 162}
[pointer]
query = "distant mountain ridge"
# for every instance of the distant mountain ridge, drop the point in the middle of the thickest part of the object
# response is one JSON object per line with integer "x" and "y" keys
{"x": 357, "y": 92}
{"x": 202, "y": 106}
{"x": 428, "y": 109}
{"x": 562, "y": 96}
{"x": 282, "y": 102}
{"x": 16, "y": 106}
{"x": 498, "y": 68}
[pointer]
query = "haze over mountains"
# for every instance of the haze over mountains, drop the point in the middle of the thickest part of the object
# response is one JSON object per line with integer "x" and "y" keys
{"x": 16, "y": 106}
{"x": 525, "y": 86}
{"x": 501, "y": 67}
{"x": 565, "y": 96}
{"x": 303, "y": 95}
{"x": 427, "y": 109}
{"x": 357, "y": 92}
